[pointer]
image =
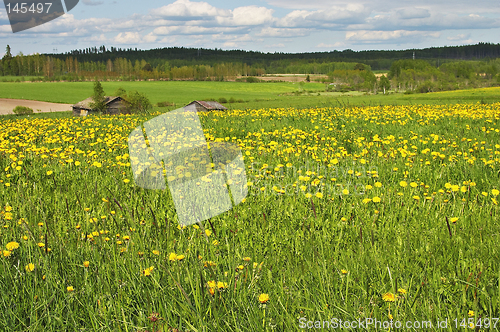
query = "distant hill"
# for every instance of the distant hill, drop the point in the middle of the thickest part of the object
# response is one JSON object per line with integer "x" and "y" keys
{"x": 376, "y": 59}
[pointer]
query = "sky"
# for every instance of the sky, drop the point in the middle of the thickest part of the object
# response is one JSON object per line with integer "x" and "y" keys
{"x": 289, "y": 26}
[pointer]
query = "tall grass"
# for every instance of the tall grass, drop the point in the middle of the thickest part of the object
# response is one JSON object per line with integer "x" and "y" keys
{"x": 381, "y": 212}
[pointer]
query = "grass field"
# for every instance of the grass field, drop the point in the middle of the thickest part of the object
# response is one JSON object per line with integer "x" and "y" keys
{"x": 179, "y": 92}
{"x": 380, "y": 212}
{"x": 253, "y": 95}
{"x": 359, "y": 207}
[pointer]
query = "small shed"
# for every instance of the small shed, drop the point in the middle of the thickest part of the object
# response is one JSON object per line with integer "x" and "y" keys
{"x": 205, "y": 106}
{"x": 114, "y": 105}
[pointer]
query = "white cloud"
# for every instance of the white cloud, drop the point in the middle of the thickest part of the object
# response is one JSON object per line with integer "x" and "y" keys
{"x": 185, "y": 9}
{"x": 5, "y": 28}
{"x": 101, "y": 39}
{"x": 205, "y": 24}
{"x": 283, "y": 32}
{"x": 134, "y": 38}
{"x": 249, "y": 15}
{"x": 92, "y": 3}
{"x": 168, "y": 40}
{"x": 411, "y": 13}
{"x": 331, "y": 17}
{"x": 195, "y": 30}
{"x": 398, "y": 35}
{"x": 443, "y": 6}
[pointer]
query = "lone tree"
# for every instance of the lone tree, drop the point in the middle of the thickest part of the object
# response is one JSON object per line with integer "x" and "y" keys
{"x": 98, "y": 100}
{"x": 384, "y": 84}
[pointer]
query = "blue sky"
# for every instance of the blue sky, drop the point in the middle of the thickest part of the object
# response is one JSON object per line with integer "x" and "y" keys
{"x": 261, "y": 25}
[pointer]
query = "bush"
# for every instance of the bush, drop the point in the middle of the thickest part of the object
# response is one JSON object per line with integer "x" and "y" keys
{"x": 22, "y": 110}
{"x": 138, "y": 102}
{"x": 222, "y": 100}
{"x": 251, "y": 79}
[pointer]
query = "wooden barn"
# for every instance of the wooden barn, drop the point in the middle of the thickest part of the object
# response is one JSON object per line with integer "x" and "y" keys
{"x": 205, "y": 106}
{"x": 114, "y": 105}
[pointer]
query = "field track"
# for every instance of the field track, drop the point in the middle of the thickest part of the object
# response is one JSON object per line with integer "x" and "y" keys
{"x": 7, "y": 105}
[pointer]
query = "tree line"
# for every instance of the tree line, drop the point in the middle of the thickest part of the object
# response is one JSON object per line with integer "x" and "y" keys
{"x": 409, "y": 75}
{"x": 73, "y": 68}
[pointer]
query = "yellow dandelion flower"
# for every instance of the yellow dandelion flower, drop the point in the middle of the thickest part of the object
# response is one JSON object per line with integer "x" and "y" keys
{"x": 86, "y": 264}
{"x": 376, "y": 199}
{"x": 454, "y": 219}
{"x": 389, "y": 297}
{"x": 156, "y": 252}
{"x": 495, "y": 192}
{"x": 403, "y": 184}
{"x": 263, "y": 298}
{"x": 30, "y": 267}
{"x": 70, "y": 289}
{"x": 147, "y": 272}
{"x": 12, "y": 245}
{"x": 221, "y": 285}
{"x": 6, "y": 253}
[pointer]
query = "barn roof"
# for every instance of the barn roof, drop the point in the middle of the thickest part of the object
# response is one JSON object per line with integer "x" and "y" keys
{"x": 209, "y": 105}
{"x": 85, "y": 104}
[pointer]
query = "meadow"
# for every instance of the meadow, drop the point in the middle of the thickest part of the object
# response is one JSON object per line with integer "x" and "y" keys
{"x": 245, "y": 95}
{"x": 381, "y": 212}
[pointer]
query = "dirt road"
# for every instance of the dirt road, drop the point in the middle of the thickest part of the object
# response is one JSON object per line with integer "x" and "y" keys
{"x": 7, "y": 105}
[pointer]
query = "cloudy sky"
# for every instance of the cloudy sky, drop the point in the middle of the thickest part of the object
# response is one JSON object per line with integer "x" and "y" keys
{"x": 261, "y": 25}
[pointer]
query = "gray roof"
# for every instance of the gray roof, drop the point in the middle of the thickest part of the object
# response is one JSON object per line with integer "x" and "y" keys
{"x": 85, "y": 104}
{"x": 209, "y": 105}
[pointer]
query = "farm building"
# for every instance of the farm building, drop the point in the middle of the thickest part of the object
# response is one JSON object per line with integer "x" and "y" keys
{"x": 205, "y": 106}
{"x": 114, "y": 105}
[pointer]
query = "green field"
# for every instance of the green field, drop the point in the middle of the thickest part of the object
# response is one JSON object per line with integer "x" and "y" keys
{"x": 383, "y": 212}
{"x": 253, "y": 95}
{"x": 178, "y": 92}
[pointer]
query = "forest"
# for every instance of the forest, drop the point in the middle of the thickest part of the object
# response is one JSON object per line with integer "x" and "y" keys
{"x": 426, "y": 70}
